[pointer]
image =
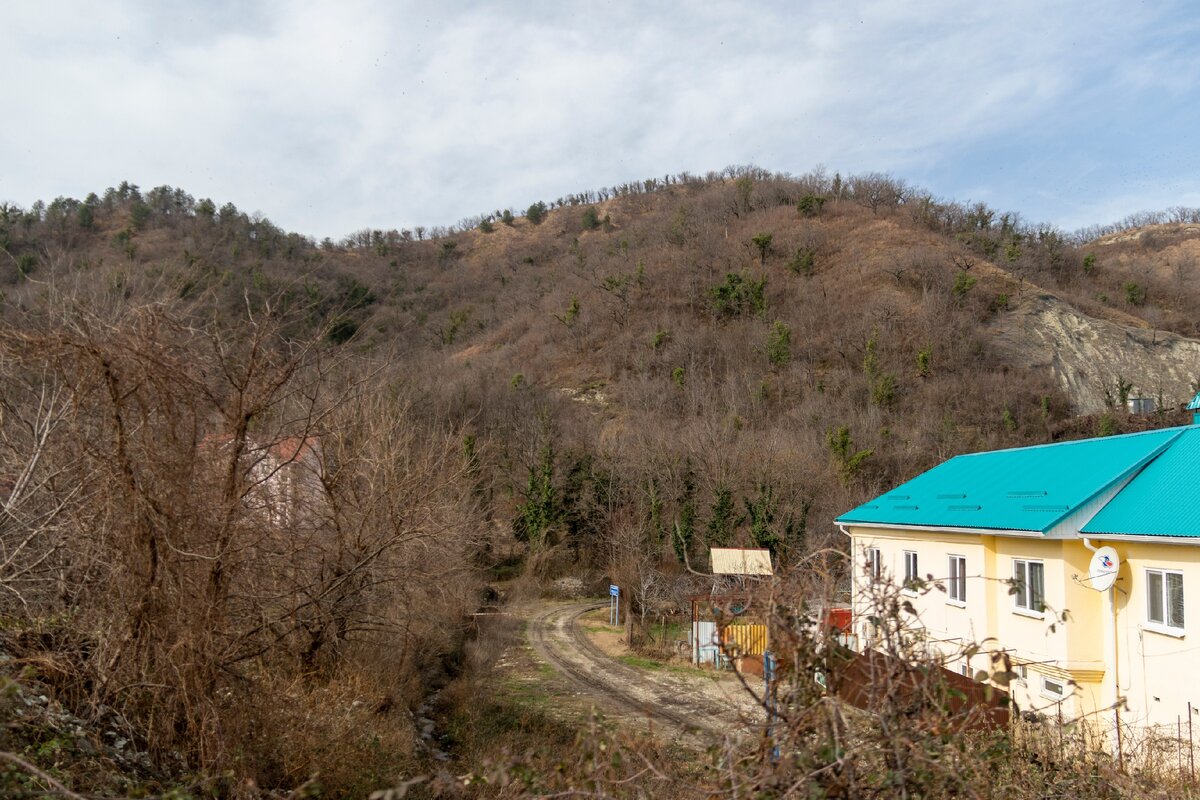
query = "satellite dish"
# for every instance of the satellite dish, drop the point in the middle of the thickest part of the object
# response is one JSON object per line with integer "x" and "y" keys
{"x": 1104, "y": 568}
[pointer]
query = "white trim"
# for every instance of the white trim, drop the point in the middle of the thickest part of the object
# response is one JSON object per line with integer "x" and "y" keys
{"x": 1134, "y": 537}
{"x": 1024, "y": 612}
{"x": 883, "y": 526}
{"x": 1050, "y": 694}
{"x": 957, "y": 603}
{"x": 1164, "y": 630}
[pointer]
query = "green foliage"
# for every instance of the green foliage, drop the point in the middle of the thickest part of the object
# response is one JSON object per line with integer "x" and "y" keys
{"x": 999, "y": 303}
{"x": 1012, "y": 250}
{"x": 507, "y": 217}
{"x": 1089, "y": 263}
{"x": 139, "y": 215}
{"x": 769, "y": 528}
{"x": 206, "y": 208}
{"x": 1106, "y": 426}
{"x": 762, "y": 243}
{"x": 810, "y": 205}
{"x": 486, "y": 226}
{"x": 86, "y": 217}
{"x": 963, "y": 282}
{"x": 679, "y": 375}
{"x": 779, "y": 344}
{"x": 1009, "y": 421}
{"x": 536, "y": 212}
{"x": 1135, "y": 294}
{"x": 923, "y": 356}
{"x": 569, "y": 316}
{"x": 454, "y": 325}
{"x": 26, "y": 263}
{"x": 685, "y": 521}
{"x": 591, "y": 219}
{"x": 883, "y": 390}
{"x": 738, "y": 294}
{"x": 802, "y": 261}
{"x": 447, "y": 250}
{"x": 659, "y": 338}
{"x": 847, "y": 460}
{"x": 341, "y": 330}
{"x": 723, "y": 519}
{"x": 539, "y": 511}
{"x": 517, "y": 380}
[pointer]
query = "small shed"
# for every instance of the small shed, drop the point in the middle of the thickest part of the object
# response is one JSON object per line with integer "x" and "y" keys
{"x": 722, "y": 625}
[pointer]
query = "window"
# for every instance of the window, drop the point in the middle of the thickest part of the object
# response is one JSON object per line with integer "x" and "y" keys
{"x": 874, "y": 564}
{"x": 958, "y": 579}
{"x": 964, "y": 670}
{"x": 910, "y": 570}
{"x": 1053, "y": 689}
{"x": 1164, "y": 598}
{"x": 1029, "y": 580}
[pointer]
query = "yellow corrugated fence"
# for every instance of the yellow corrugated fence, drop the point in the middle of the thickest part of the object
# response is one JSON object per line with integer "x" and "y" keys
{"x": 745, "y": 640}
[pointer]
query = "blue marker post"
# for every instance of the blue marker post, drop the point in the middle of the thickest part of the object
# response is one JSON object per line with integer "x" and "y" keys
{"x": 769, "y": 686}
{"x": 614, "y": 604}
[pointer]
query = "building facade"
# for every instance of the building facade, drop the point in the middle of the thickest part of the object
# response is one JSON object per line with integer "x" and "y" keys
{"x": 993, "y": 554}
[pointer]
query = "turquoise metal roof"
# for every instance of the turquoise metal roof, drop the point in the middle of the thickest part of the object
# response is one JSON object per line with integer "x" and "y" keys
{"x": 1025, "y": 489}
{"x": 1195, "y": 404}
{"x": 1162, "y": 500}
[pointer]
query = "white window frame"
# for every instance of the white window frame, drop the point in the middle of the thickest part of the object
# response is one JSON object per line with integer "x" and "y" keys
{"x": 956, "y": 584}
{"x": 874, "y": 563}
{"x": 911, "y": 574}
{"x": 1024, "y": 601}
{"x": 1168, "y": 623}
{"x": 1050, "y": 693}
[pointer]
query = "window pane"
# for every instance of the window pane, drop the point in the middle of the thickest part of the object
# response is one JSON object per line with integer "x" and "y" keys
{"x": 1175, "y": 599}
{"x": 1154, "y": 596}
{"x": 1037, "y": 585}
{"x": 1021, "y": 585}
{"x": 962, "y": 579}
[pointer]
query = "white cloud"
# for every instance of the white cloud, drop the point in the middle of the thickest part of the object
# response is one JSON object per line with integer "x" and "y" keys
{"x": 331, "y": 117}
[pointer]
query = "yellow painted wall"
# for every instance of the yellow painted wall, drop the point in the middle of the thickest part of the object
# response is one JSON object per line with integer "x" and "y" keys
{"x": 1159, "y": 673}
{"x": 1073, "y": 651}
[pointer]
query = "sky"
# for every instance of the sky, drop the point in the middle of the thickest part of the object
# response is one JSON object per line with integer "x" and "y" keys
{"x": 332, "y": 117}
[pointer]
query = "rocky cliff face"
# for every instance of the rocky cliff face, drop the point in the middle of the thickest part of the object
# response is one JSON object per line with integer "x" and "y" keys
{"x": 1090, "y": 357}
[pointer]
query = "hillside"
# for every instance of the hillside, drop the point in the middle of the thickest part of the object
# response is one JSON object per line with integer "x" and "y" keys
{"x": 604, "y": 388}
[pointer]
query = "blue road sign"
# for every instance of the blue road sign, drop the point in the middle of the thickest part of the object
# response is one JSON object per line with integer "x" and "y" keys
{"x": 613, "y": 589}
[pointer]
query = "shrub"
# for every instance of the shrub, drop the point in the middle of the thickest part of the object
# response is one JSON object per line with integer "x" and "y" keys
{"x": 1135, "y": 294}
{"x": 963, "y": 282}
{"x": 591, "y": 220}
{"x": 738, "y": 294}
{"x": 486, "y": 226}
{"x": 762, "y": 243}
{"x": 779, "y": 344}
{"x": 802, "y": 262}
{"x": 810, "y": 205}
{"x": 536, "y": 212}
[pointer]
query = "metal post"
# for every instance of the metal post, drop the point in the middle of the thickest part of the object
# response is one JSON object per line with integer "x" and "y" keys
{"x": 1179, "y": 744}
{"x": 1191, "y": 746}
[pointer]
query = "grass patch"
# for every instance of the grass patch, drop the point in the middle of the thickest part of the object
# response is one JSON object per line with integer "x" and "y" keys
{"x": 641, "y": 662}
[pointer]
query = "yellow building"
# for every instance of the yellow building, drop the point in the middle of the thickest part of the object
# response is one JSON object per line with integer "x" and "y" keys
{"x": 999, "y": 550}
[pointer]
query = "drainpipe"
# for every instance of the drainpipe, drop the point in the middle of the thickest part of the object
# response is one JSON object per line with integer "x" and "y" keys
{"x": 1112, "y": 656}
{"x": 853, "y": 585}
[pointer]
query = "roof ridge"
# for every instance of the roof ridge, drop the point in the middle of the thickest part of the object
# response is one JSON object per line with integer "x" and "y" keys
{"x": 1177, "y": 428}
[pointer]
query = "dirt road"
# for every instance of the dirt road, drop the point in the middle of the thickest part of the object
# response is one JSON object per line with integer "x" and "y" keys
{"x": 683, "y": 701}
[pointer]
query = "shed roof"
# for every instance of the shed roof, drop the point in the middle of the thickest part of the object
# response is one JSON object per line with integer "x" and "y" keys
{"x": 740, "y": 561}
{"x": 1023, "y": 489}
{"x": 1195, "y": 404}
{"x": 1162, "y": 500}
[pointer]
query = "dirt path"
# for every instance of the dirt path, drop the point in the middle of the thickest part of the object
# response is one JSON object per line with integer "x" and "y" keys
{"x": 683, "y": 701}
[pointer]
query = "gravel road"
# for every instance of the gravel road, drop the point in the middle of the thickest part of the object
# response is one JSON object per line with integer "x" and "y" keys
{"x": 683, "y": 702}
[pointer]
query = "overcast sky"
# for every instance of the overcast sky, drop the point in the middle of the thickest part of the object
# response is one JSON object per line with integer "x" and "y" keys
{"x": 331, "y": 117}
